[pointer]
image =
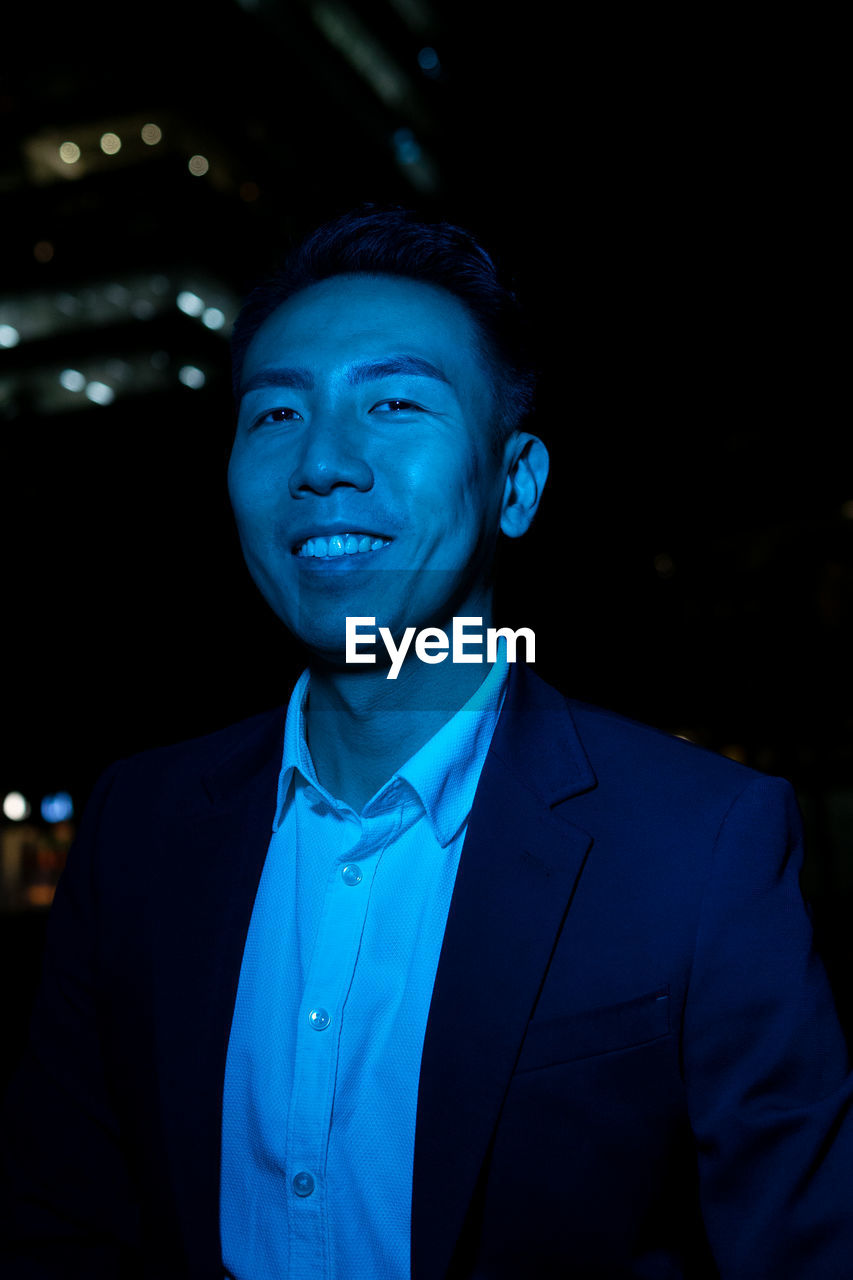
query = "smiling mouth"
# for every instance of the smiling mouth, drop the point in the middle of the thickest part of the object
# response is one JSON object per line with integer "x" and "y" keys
{"x": 340, "y": 544}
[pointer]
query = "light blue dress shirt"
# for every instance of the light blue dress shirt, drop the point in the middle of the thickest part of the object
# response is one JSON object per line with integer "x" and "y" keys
{"x": 321, "y": 1081}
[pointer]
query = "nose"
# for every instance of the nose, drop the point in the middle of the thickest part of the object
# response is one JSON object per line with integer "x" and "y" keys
{"x": 330, "y": 456}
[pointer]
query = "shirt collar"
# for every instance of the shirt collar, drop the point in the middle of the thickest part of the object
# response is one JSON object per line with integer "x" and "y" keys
{"x": 445, "y": 771}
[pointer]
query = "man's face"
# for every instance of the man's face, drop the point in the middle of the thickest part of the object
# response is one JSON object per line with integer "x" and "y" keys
{"x": 366, "y": 412}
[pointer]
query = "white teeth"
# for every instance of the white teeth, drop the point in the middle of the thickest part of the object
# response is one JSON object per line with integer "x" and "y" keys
{"x": 341, "y": 544}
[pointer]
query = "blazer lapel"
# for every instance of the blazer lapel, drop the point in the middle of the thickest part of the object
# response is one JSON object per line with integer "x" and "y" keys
{"x": 519, "y": 865}
{"x": 216, "y": 867}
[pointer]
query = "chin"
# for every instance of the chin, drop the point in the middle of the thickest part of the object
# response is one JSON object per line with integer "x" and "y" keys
{"x": 322, "y": 641}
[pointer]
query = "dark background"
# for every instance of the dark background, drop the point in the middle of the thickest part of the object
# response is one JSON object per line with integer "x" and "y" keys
{"x": 664, "y": 193}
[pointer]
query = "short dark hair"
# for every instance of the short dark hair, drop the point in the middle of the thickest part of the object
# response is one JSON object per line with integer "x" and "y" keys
{"x": 390, "y": 240}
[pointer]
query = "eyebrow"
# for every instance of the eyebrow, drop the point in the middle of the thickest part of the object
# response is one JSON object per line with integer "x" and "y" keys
{"x": 372, "y": 370}
{"x": 302, "y": 379}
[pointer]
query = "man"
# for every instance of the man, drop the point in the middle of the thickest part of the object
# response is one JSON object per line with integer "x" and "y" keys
{"x": 434, "y": 972}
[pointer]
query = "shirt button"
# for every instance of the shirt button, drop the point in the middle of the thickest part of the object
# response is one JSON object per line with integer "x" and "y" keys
{"x": 303, "y": 1184}
{"x": 319, "y": 1019}
{"x": 351, "y": 873}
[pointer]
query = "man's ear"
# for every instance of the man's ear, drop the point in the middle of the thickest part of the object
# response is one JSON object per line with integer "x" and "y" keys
{"x": 527, "y": 470}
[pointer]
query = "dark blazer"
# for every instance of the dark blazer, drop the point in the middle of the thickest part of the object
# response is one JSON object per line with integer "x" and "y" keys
{"x": 632, "y": 1063}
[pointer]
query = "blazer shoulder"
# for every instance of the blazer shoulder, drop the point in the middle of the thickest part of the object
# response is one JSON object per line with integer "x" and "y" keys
{"x": 563, "y": 747}
{"x": 166, "y": 772}
{"x": 668, "y": 799}
{"x": 654, "y": 757}
{"x": 212, "y": 746}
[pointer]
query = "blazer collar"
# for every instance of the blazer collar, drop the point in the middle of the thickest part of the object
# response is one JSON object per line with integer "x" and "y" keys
{"x": 254, "y": 756}
{"x": 537, "y": 740}
{"x": 203, "y": 919}
{"x": 520, "y": 863}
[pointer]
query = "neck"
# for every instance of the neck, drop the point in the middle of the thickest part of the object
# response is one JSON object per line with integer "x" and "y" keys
{"x": 361, "y": 727}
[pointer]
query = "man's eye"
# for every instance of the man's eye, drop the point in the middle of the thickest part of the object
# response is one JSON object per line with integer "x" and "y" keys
{"x": 395, "y": 406}
{"x": 277, "y": 415}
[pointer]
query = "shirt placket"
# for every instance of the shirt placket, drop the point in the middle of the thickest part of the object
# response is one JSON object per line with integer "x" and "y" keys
{"x": 317, "y": 1044}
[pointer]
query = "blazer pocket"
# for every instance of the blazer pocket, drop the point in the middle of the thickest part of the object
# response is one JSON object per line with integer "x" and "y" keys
{"x": 583, "y": 1035}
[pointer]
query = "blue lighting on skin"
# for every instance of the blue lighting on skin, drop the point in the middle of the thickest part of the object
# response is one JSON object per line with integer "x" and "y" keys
{"x": 57, "y": 807}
